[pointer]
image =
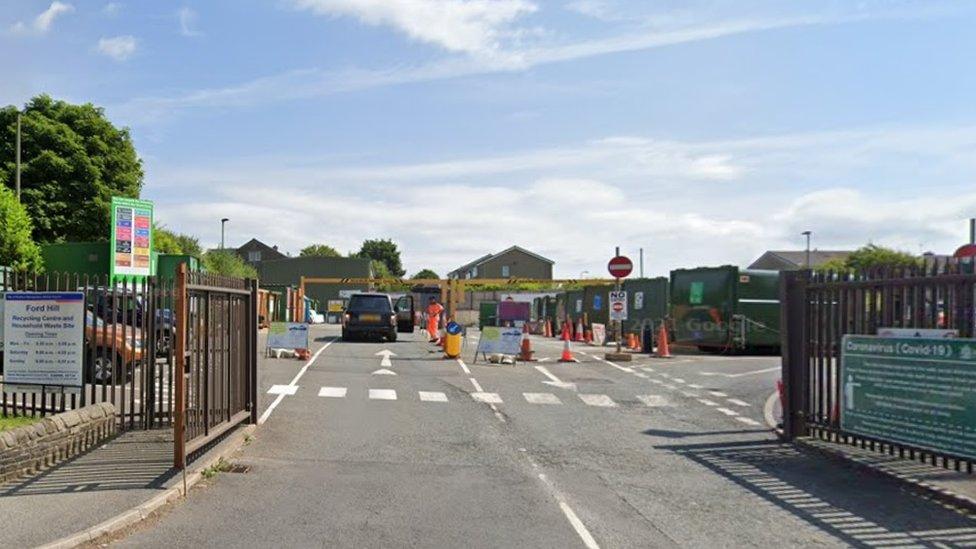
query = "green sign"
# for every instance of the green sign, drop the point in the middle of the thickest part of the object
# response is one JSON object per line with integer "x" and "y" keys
{"x": 132, "y": 238}
{"x": 920, "y": 392}
{"x": 696, "y": 293}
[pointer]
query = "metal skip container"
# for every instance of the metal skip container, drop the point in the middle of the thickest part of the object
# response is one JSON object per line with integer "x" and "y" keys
{"x": 647, "y": 304}
{"x": 725, "y": 308}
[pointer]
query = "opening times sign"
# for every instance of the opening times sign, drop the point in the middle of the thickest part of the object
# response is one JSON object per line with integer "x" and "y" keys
{"x": 131, "y": 237}
{"x": 44, "y": 341}
{"x": 919, "y": 392}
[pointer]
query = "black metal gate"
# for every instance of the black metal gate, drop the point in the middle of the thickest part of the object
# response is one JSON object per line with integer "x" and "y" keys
{"x": 820, "y": 308}
{"x": 216, "y": 349}
{"x": 128, "y": 357}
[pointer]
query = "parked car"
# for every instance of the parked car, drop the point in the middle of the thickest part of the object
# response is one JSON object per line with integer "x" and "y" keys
{"x": 369, "y": 315}
{"x": 127, "y": 306}
{"x": 112, "y": 350}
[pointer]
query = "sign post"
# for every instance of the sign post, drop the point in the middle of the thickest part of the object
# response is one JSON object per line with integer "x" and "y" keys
{"x": 619, "y": 267}
{"x": 132, "y": 239}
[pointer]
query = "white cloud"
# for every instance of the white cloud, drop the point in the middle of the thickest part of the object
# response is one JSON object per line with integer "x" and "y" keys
{"x": 112, "y": 9}
{"x": 118, "y": 48}
{"x": 188, "y": 21}
{"x": 599, "y": 9}
{"x": 43, "y": 22}
{"x": 476, "y": 27}
{"x": 686, "y": 203}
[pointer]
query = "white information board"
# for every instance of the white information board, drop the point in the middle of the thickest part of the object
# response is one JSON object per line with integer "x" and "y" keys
{"x": 638, "y": 300}
{"x": 288, "y": 335}
{"x": 504, "y": 341}
{"x": 618, "y": 305}
{"x": 44, "y": 345}
{"x": 599, "y": 334}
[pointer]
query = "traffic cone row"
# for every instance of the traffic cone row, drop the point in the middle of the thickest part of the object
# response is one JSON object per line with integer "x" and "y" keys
{"x": 580, "y": 338}
{"x": 526, "y": 352}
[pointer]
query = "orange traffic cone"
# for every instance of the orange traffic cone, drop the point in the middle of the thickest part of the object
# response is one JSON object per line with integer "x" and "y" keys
{"x": 588, "y": 336}
{"x": 548, "y": 329}
{"x": 580, "y": 336}
{"x": 633, "y": 342}
{"x": 567, "y": 354}
{"x": 662, "y": 343}
{"x": 526, "y": 354}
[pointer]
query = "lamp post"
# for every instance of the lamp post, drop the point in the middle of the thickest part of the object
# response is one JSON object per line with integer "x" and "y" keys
{"x": 222, "y": 222}
{"x": 18, "y": 157}
{"x": 582, "y": 274}
{"x": 807, "y": 234}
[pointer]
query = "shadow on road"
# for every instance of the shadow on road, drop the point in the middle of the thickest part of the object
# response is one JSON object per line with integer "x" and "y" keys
{"x": 861, "y": 509}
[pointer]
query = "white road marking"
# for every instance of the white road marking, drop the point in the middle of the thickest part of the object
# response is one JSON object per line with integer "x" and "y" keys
{"x": 690, "y": 394}
{"x": 666, "y": 375}
{"x": 617, "y": 366}
{"x": 695, "y": 386}
{"x": 738, "y": 402}
{"x": 748, "y": 421}
{"x": 476, "y": 385}
{"x": 555, "y": 381}
{"x": 488, "y": 398}
{"x": 464, "y": 366}
{"x": 717, "y": 393}
{"x": 768, "y": 409}
{"x": 545, "y": 359}
{"x": 382, "y": 394}
{"x": 763, "y": 371}
{"x": 332, "y": 392}
{"x": 267, "y": 413}
{"x": 283, "y": 390}
{"x": 707, "y": 402}
{"x": 677, "y": 380}
{"x": 385, "y": 361}
{"x": 654, "y": 401}
{"x": 640, "y": 375}
{"x": 578, "y": 525}
{"x": 384, "y": 372}
{"x": 658, "y": 381}
{"x": 598, "y": 400}
{"x": 666, "y": 386}
{"x": 541, "y": 398}
{"x": 727, "y": 412}
{"x": 648, "y": 370}
{"x": 432, "y": 396}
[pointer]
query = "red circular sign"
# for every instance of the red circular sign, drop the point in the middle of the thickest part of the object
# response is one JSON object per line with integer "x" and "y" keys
{"x": 620, "y": 267}
{"x": 618, "y": 307}
{"x": 967, "y": 250}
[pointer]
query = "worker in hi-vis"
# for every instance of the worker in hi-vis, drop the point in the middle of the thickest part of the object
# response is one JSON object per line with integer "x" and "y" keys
{"x": 434, "y": 310}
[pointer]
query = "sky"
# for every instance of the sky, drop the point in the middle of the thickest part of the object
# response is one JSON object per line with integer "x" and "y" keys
{"x": 703, "y": 131}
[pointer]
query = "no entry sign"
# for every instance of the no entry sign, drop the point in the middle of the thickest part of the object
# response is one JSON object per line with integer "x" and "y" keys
{"x": 620, "y": 267}
{"x": 618, "y": 305}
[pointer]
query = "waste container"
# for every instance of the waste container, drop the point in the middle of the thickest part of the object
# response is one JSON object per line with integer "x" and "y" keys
{"x": 453, "y": 340}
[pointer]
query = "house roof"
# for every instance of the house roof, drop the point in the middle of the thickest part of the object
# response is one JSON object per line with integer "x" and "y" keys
{"x": 799, "y": 257}
{"x": 487, "y": 257}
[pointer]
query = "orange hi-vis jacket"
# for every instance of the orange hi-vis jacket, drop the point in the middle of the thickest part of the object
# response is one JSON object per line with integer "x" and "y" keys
{"x": 434, "y": 311}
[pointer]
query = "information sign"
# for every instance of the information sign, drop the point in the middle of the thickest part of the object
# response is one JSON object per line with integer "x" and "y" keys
{"x": 43, "y": 341}
{"x": 599, "y": 334}
{"x": 288, "y": 335}
{"x": 131, "y": 243}
{"x": 496, "y": 340}
{"x": 915, "y": 391}
{"x": 618, "y": 305}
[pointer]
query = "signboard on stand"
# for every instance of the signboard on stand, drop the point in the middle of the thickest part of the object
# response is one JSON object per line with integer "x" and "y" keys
{"x": 132, "y": 238}
{"x": 599, "y": 334}
{"x": 44, "y": 341}
{"x": 288, "y": 335}
{"x": 502, "y": 341}
{"x": 915, "y": 391}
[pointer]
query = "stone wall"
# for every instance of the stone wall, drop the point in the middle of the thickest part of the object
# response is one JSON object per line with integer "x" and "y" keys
{"x": 27, "y": 450}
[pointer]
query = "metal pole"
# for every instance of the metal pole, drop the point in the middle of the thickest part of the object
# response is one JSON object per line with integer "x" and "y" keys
{"x": 222, "y": 222}
{"x": 807, "y": 263}
{"x": 972, "y": 230}
{"x": 618, "y": 335}
{"x": 642, "y": 262}
{"x": 18, "y": 158}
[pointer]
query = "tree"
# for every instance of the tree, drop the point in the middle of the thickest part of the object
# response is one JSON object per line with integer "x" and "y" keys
{"x": 74, "y": 161}
{"x": 384, "y": 251}
{"x": 17, "y": 250}
{"x": 227, "y": 263}
{"x": 425, "y": 273}
{"x": 871, "y": 256}
{"x": 189, "y": 245}
{"x": 164, "y": 241}
{"x": 319, "y": 250}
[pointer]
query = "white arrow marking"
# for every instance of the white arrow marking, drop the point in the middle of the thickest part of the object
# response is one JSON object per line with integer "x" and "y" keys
{"x": 386, "y": 354}
{"x": 767, "y": 370}
{"x": 555, "y": 381}
{"x": 384, "y": 372}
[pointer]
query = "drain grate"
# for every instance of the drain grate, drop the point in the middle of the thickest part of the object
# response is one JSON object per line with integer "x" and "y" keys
{"x": 237, "y": 468}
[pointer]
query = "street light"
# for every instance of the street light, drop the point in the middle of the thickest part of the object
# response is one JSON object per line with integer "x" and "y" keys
{"x": 222, "y": 222}
{"x": 807, "y": 234}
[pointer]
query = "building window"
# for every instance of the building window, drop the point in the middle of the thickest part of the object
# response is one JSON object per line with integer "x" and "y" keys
{"x": 254, "y": 256}
{"x": 506, "y": 272}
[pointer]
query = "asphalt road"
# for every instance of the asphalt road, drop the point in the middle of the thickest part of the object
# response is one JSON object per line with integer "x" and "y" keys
{"x": 446, "y": 453}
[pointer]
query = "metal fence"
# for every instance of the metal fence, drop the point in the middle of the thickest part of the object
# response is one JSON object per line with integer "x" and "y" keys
{"x": 216, "y": 348}
{"x": 128, "y": 356}
{"x": 820, "y": 308}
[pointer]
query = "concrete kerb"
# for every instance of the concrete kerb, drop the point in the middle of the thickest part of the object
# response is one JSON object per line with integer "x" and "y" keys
{"x": 924, "y": 488}
{"x": 143, "y": 511}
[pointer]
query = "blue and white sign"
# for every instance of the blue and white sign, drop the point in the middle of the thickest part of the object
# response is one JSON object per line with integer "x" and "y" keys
{"x": 288, "y": 335}
{"x": 44, "y": 341}
{"x": 496, "y": 340}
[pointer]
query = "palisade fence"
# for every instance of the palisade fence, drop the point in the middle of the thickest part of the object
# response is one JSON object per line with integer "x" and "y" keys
{"x": 820, "y": 308}
{"x": 128, "y": 353}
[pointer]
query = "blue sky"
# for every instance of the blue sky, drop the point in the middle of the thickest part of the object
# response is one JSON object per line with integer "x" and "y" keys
{"x": 703, "y": 131}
